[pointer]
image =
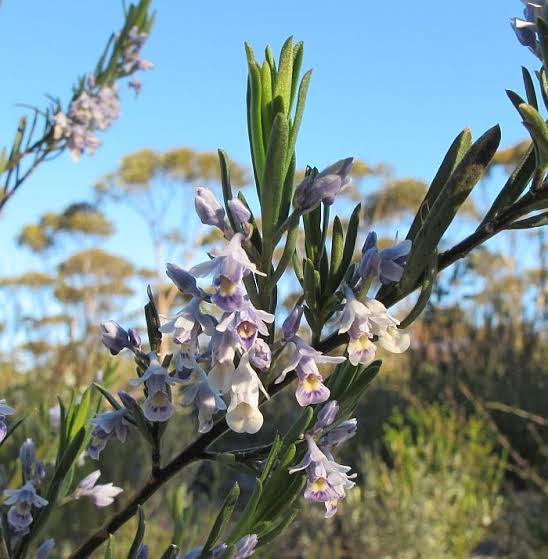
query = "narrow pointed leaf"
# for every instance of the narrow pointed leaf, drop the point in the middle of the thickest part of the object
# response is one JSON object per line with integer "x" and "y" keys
{"x": 139, "y": 535}
{"x": 539, "y": 220}
{"x": 284, "y": 79}
{"x": 529, "y": 88}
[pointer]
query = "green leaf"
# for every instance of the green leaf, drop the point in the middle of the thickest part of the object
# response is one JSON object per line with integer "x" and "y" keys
{"x": 267, "y": 111}
{"x": 300, "y": 426}
{"x": 226, "y": 186}
{"x": 287, "y": 194}
{"x": 274, "y": 177}
{"x": 457, "y": 189}
{"x": 108, "y": 396}
{"x": 153, "y": 323}
{"x": 310, "y": 294}
{"x": 538, "y": 129}
{"x": 542, "y": 28}
{"x": 280, "y": 528}
{"x": 298, "y": 53}
{"x": 222, "y": 520}
{"x": 516, "y": 99}
{"x": 11, "y": 429}
{"x": 282, "y": 90}
{"x": 254, "y": 115}
{"x": 529, "y": 88}
{"x": 515, "y": 185}
{"x": 139, "y": 535}
{"x": 337, "y": 247}
{"x": 461, "y": 144}
{"x": 426, "y": 292}
{"x": 349, "y": 242}
{"x": 539, "y": 220}
{"x": 108, "y": 551}
{"x": 299, "y": 112}
{"x": 277, "y": 444}
{"x": 247, "y": 518}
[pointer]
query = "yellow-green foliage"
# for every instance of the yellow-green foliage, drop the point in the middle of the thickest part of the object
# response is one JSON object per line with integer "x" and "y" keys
{"x": 434, "y": 498}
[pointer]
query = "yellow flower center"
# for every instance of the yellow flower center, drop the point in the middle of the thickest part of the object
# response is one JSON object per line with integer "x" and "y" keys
{"x": 311, "y": 383}
{"x": 246, "y": 329}
{"x": 227, "y": 287}
{"x": 319, "y": 484}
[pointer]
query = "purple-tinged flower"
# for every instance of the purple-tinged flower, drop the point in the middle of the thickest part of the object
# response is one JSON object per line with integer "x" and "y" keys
{"x": 228, "y": 296}
{"x": 298, "y": 356}
{"x": 187, "y": 325}
{"x": 101, "y": 495}
{"x": 183, "y": 280}
{"x": 310, "y": 386}
{"x": 324, "y": 187}
{"x": 114, "y": 337}
{"x": 198, "y": 389}
{"x": 526, "y": 29}
{"x": 245, "y": 547}
{"x": 240, "y": 214}
{"x": 243, "y": 414}
{"x": 291, "y": 324}
{"x": 223, "y": 346}
{"x": 231, "y": 262}
{"x": 247, "y": 324}
{"x": 327, "y": 480}
{"x": 131, "y": 56}
{"x": 157, "y": 406}
{"x": 260, "y": 355}
{"x": 326, "y": 416}
{"x": 153, "y": 370}
{"x": 4, "y": 410}
{"x": 22, "y": 500}
{"x": 107, "y": 425}
{"x": 134, "y": 339}
{"x": 340, "y": 434}
{"x": 33, "y": 469}
{"x": 196, "y": 552}
{"x": 209, "y": 209}
{"x": 387, "y": 264}
{"x": 127, "y": 399}
{"x": 45, "y": 549}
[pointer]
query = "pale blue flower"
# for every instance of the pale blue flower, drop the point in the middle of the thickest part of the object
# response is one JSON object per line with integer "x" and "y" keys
{"x": 209, "y": 209}
{"x": 107, "y": 425}
{"x": 22, "y": 500}
{"x": 45, "y": 549}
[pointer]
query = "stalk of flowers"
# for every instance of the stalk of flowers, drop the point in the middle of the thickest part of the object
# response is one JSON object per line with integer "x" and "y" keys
{"x": 97, "y": 104}
{"x": 526, "y": 28}
{"x": 327, "y": 481}
{"x": 22, "y": 501}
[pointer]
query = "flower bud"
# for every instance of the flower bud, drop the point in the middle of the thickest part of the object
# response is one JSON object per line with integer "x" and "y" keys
{"x": 114, "y": 337}
{"x": 343, "y": 432}
{"x": 291, "y": 324}
{"x": 45, "y": 548}
{"x": 239, "y": 211}
{"x": 27, "y": 456}
{"x": 126, "y": 399}
{"x": 134, "y": 338}
{"x": 209, "y": 209}
{"x": 184, "y": 281}
{"x": 260, "y": 355}
{"x": 326, "y": 415}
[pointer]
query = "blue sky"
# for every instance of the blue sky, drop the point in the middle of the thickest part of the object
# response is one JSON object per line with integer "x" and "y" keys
{"x": 393, "y": 81}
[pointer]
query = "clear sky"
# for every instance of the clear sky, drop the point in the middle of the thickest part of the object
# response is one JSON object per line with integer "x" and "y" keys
{"x": 393, "y": 81}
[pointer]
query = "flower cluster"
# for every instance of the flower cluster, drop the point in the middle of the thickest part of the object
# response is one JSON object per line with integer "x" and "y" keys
{"x": 97, "y": 106}
{"x": 327, "y": 481}
{"x": 526, "y": 28}
{"x": 23, "y": 500}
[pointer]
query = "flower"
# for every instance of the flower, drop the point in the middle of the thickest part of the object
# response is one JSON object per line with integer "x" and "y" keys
{"x": 4, "y": 410}
{"x": 327, "y": 480}
{"x": 154, "y": 369}
{"x": 101, "y": 495}
{"x": 298, "y": 356}
{"x": 45, "y": 548}
{"x": 33, "y": 469}
{"x": 387, "y": 264}
{"x": 157, "y": 406}
{"x": 246, "y": 324}
{"x": 131, "y": 56}
{"x": 291, "y": 324}
{"x": 240, "y": 214}
{"x": 106, "y": 425}
{"x": 245, "y": 547}
{"x": 22, "y": 501}
{"x": 363, "y": 321}
{"x": 326, "y": 416}
{"x": 209, "y": 209}
{"x": 260, "y": 355}
{"x": 198, "y": 389}
{"x": 114, "y": 337}
{"x": 340, "y": 434}
{"x": 183, "y": 280}
{"x": 243, "y": 415}
{"x": 324, "y": 187}
{"x": 526, "y": 29}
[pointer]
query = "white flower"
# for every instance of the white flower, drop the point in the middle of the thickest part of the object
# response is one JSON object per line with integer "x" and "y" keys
{"x": 243, "y": 414}
{"x": 101, "y": 495}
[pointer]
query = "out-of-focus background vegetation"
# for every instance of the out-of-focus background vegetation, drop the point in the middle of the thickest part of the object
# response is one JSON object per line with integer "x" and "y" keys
{"x": 452, "y": 450}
